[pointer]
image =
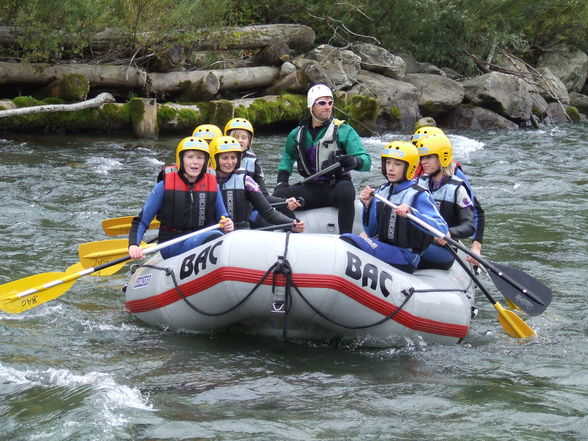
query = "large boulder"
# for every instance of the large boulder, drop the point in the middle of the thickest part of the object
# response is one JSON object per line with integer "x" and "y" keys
{"x": 539, "y": 105}
{"x": 558, "y": 114}
{"x": 341, "y": 65}
{"x": 437, "y": 95}
{"x": 550, "y": 87}
{"x": 569, "y": 65}
{"x": 504, "y": 94}
{"x": 399, "y": 101}
{"x": 414, "y": 66}
{"x": 472, "y": 117}
{"x": 379, "y": 60}
{"x": 313, "y": 70}
{"x": 580, "y": 102}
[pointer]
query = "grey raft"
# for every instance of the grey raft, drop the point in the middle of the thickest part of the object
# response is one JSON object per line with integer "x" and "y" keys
{"x": 301, "y": 286}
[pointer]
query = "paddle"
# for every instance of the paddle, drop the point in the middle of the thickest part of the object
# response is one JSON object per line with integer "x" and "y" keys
{"x": 122, "y": 225}
{"x": 509, "y": 304}
{"x": 324, "y": 171}
{"x": 512, "y": 324}
{"x": 118, "y": 226}
{"x": 527, "y": 293}
{"x": 104, "y": 251}
{"x": 30, "y": 292}
{"x": 300, "y": 200}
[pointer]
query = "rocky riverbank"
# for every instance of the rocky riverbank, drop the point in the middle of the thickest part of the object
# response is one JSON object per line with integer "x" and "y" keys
{"x": 375, "y": 89}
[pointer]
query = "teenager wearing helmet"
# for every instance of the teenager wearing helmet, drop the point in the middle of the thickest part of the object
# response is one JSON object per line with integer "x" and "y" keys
{"x": 317, "y": 143}
{"x": 207, "y": 132}
{"x": 186, "y": 200}
{"x": 239, "y": 191}
{"x": 451, "y": 196}
{"x": 242, "y": 130}
{"x": 389, "y": 235}
{"x": 479, "y": 216}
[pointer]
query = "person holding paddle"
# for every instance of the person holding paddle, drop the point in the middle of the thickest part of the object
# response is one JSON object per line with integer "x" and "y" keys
{"x": 185, "y": 200}
{"x": 431, "y": 129}
{"x": 318, "y": 143}
{"x": 451, "y": 196}
{"x": 242, "y": 130}
{"x": 389, "y": 235}
{"x": 239, "y": 191}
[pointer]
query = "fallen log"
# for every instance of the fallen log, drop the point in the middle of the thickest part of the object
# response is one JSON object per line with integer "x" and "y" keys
{"x": 103, "y": 98}
{"x": 296, "y": 82}
{"x": 202, "y": 90}
{"x": 99, "y": 75}
{"x": 230, "y": 79}
{"x": 296, "y": 36}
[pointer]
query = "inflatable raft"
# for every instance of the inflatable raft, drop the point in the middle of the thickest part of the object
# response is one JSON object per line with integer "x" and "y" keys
{"x": 302, "y": 286}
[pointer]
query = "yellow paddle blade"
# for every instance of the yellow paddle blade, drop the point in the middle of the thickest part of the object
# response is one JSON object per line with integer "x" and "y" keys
{"x": 99, "y": 252}
{"x": 513, "y": 325}
{"x": 74, "y": 268}
{"x": 511, "y": 305}
{"x": 13, "y": 303}
{"x": 122, "y": 225}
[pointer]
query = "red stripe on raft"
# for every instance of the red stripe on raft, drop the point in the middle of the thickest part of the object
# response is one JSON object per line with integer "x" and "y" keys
{"x": 229, "y": 274}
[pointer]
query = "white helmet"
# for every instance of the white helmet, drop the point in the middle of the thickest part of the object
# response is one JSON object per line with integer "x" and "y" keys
{"x": 316, "y": 92}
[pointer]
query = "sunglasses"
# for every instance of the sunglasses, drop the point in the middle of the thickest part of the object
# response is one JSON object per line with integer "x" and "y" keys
{"x": 324, "y": 103}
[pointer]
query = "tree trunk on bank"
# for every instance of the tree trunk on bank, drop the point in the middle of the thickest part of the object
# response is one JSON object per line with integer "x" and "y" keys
{"x": 50, "y": 108}
{"x": 98, "y": 75}
{"x": 254, "y": 37}
{"x": 230, "y": 79}
{"x": 202, "y": 90}
{"x": 248, "y": 37}
{"x": 296, "y": 82}
{"x": 132, "y": 78}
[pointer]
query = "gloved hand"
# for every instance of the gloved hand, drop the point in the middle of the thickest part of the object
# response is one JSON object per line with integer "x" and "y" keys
{"x": 349, "y": 162}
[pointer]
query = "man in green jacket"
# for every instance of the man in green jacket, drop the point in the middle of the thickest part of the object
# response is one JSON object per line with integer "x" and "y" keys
{"x": 315, "y": 145}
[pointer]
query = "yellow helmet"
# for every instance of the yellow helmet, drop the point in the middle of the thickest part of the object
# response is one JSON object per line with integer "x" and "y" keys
{"x": 207, "y": 132}
{"x": 439, "y": 145}
{"x": 191, "y": 143}
{"x": 425, "y": 131}
{"x": 238, "y": 123}
{"x": 403, "y": 151}
{"x": 224, "y": 144}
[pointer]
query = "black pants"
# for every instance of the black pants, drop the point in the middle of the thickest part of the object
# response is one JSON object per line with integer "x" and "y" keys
{"x": 340, "y": 194}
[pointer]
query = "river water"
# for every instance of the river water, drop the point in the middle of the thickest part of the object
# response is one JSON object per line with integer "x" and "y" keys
{"x": 81, "y": 368}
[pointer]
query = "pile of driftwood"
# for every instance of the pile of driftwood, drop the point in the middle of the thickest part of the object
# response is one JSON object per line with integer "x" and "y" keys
{"x": 226, "y": 64}
{"x": 206, "y": 69}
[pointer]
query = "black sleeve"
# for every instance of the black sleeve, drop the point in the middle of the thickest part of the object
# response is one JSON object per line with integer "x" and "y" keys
{"x": 481, "y": 220}
{"x": 258, "y": 178}
{"x": 283, "y": 176}
{"x": 134, "y": 227}
{"x": 271, "y": 199}
{"x": 266, "y": 211}
{"x": 465, "y": 223}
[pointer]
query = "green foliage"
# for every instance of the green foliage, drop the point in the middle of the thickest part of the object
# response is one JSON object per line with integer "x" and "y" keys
{"x": 137, "y": 109}
{"x": 264, "y": 113}
{"x": 26, "y": 101}
{"x": 52, "y": 29}
{"x": 444, "y": 32}
{"x": 573, "y": 114}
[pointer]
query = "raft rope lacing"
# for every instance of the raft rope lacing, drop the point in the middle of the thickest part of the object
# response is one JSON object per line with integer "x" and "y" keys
{"x": 283, "y": 267}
